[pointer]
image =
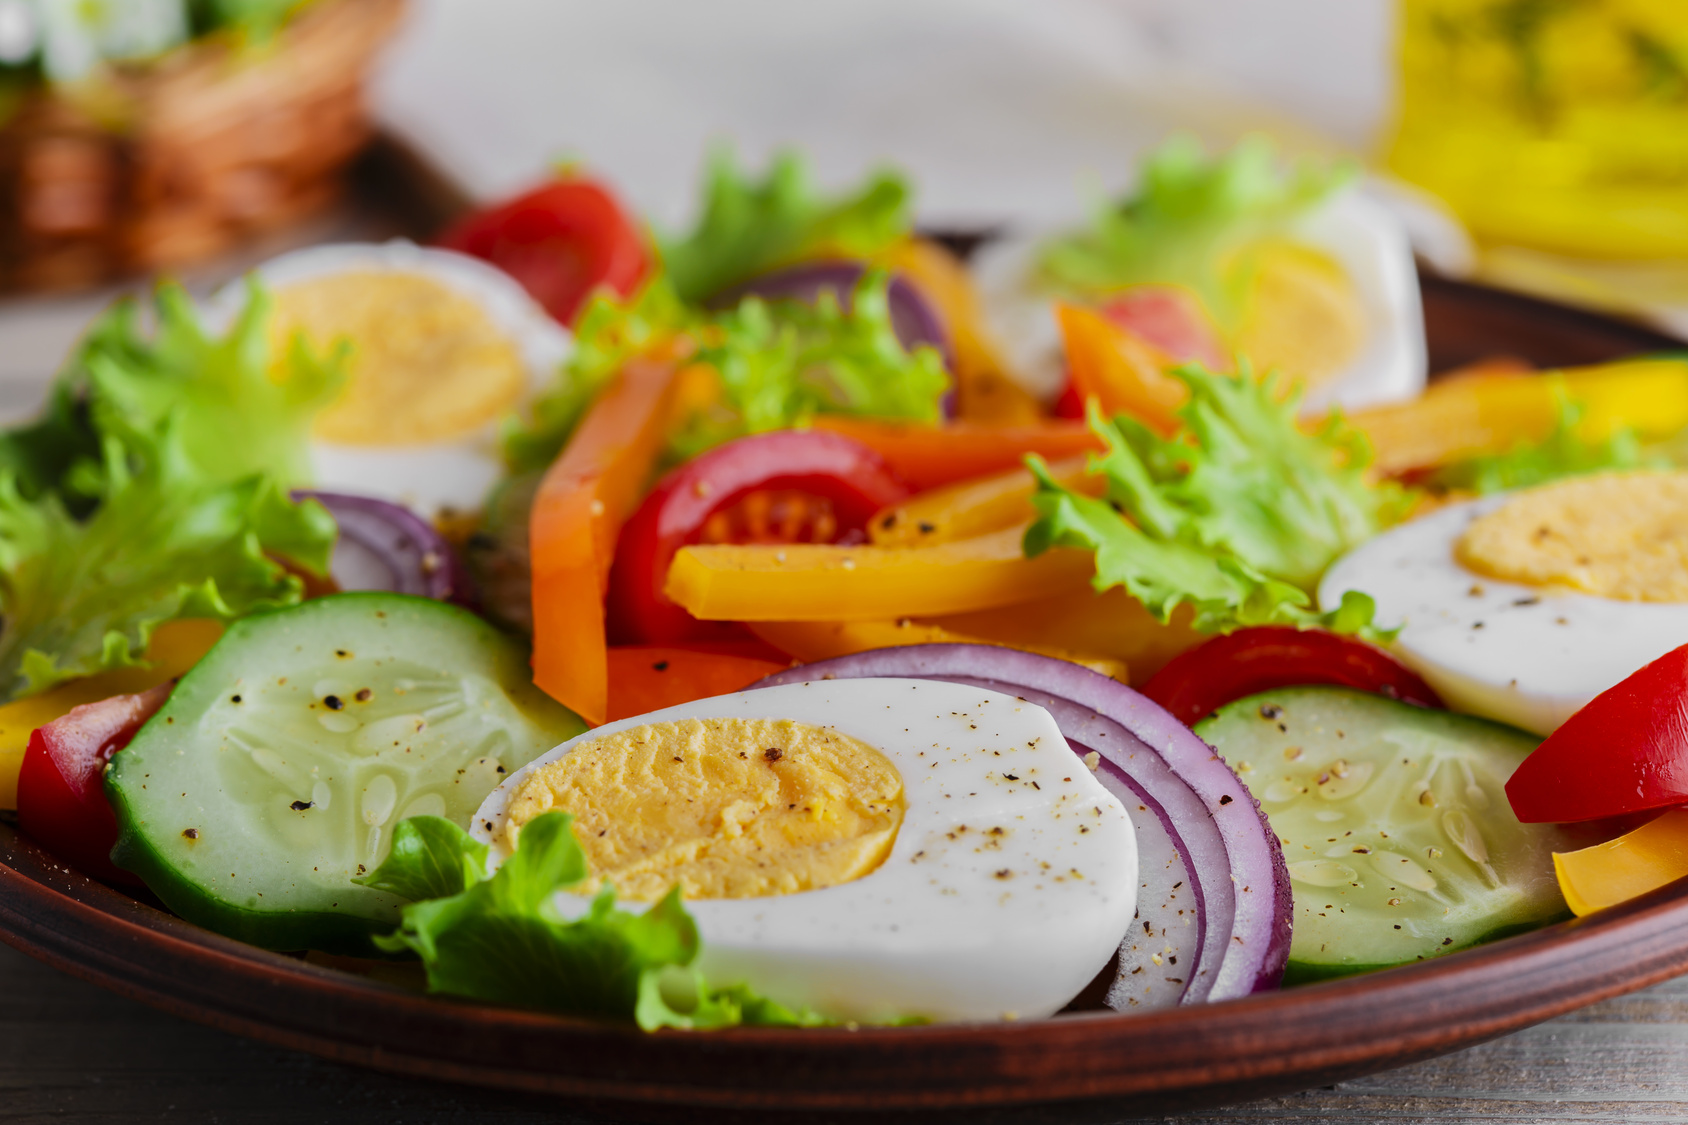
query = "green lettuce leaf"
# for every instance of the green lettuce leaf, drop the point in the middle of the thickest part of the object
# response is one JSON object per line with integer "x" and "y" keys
{"x": 783, "y": 362}
{"x": 607, "y": 334}
{"x": 1236, "y": 515}
{"x": 748, "y": 228}
{"x": 501, "y": 938}
{"x": 1190, "y": 222}
{"x": 1563, "y": 453}
{"x": 44, "y": 456}
{"x": 83, "y": 596}
{"x": 234, "y": 412}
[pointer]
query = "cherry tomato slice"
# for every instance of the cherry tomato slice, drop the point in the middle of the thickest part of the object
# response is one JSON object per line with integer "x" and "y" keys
{"x": 1197, "y": 683}
{"x": 61, "y": 785}
{"x": 790, "y": 486}
{"x": 1625, "y": 751}
{"x": 561, "y": 241}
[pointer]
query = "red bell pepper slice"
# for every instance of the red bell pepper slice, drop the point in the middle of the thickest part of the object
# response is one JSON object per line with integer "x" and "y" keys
{"x": 1197, "y": 683}
{"x": 789, "y": 486}
{"x": 561, "y": 241}
{"x": 61, "y": 785}
{"x": 1624, "y": 752}
{"x": 645, "y": 678}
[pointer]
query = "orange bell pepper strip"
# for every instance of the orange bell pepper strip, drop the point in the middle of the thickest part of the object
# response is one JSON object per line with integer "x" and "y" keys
{"x": 985, "y": 391}
{"x": 1639, "y": 861}
{"x": 175, "y": 647}
{"x": 1124, "y": 373}
{"x": 809, "y": 641}
{"x": 825, "y": 582}
{"x": 930, "y": 456}
{"x": 577, "y": 513}
{"x": 650, "y": 677}
{"x": 1484, "y": 415}
{"x": 973, "y": 507}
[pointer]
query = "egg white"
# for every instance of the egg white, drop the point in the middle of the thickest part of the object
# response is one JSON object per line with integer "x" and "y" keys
{"x": 426, "y": 476}
{"x": 1360, "y": 235}
{"x": 1520, "y": 654}
{"x": 956, "y": 924}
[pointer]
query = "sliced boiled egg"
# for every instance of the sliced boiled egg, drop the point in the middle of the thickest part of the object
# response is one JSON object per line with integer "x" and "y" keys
{"x": 1333, "y": 304}
{"x": 873, "y": 849}
{"x": 1525, "y": 606}
{"x": 442, "y": 346}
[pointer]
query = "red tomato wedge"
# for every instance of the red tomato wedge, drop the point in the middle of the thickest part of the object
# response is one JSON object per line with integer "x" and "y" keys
{"x": 647, "y": 678}
{"x": 61, "y": 786}
{"x": 1625, "y": 751}
{"x": 1173, "y": 320}
{"x": 790, "y": 486}
{"x": 561, "y": 241}
{"x": 1197, "y": 683}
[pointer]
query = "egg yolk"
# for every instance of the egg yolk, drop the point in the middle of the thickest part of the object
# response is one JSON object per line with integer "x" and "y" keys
{"x": 1615, "y": 535}
{"x": 726, "y": 808}
{"x": 1302, "y": 314}
{"x": 427, "y": 362}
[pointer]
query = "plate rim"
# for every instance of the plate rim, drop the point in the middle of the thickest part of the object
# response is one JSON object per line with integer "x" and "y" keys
{"x": 1269, "y": 1042}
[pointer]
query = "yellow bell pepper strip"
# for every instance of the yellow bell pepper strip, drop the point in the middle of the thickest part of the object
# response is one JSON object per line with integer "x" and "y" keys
{"x": 984, "y": 389}
{"x": 973, "y": 507}
{"x": 175, "y": 647}
{"x": 809, "y": 641}
{"x": 585, "y": 497}
{"x": 1124, "y": 373}
{"x": 1107, "y": 626}
{"x": 930, "y": 456}
{"x": 1639, "y": 861}
{"x": 1484, "y": 415}
{"x": 824, "y": 582}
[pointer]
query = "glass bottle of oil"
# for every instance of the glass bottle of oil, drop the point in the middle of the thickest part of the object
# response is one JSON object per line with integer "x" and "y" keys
{"x": 1555, "y": 124}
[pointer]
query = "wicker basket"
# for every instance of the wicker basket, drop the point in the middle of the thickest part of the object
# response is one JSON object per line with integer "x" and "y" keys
{"x": 178, "y": 159}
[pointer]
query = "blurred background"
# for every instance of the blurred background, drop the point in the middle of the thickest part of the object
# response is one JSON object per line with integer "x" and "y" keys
{"x": 1535, "y": 144}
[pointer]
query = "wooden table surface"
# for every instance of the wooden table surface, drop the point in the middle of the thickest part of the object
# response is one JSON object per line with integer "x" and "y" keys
{"x": 72, "y": 1052}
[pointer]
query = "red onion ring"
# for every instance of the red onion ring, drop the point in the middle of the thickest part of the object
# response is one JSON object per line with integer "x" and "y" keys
{"x": 384, "y": 546}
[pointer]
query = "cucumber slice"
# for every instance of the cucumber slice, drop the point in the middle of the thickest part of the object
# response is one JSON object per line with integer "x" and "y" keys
{"x": 274, "y": 774}
{"x": 1394, "y": 820}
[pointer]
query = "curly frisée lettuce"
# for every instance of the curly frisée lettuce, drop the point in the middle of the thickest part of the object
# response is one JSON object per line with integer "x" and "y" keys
{"x": 608, "y": 333}
{"x": 1236, "y": 515}
{"x": 1190, "y": 222}
{"x": 83, "y": 596}
{"x": 780, "y": 363}
{"x": 235, "y": 411}
{"x": 498, "y": 936}
{"x": 154, "y": 487}
{"x": 748, "y": 228}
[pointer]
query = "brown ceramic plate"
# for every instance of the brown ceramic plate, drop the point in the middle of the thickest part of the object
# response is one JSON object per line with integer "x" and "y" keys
{"x": 1080, "y": 1064}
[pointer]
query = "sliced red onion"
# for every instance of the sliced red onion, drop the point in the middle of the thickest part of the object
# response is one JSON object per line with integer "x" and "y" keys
{"x": 1238, "y": 882}
{"x": 915, "y": 321}
{"x": 384, "y": 546}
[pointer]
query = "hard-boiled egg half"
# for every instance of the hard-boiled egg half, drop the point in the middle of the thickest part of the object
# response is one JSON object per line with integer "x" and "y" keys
{"x": 1523, "y": 607}
{"x": 443, "y": 346}
{"x": 873, "y": 849}
{"x": 1329, "y": 298}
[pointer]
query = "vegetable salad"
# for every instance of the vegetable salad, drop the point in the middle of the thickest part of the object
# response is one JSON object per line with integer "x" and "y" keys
{"x": 783, "y": 621}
